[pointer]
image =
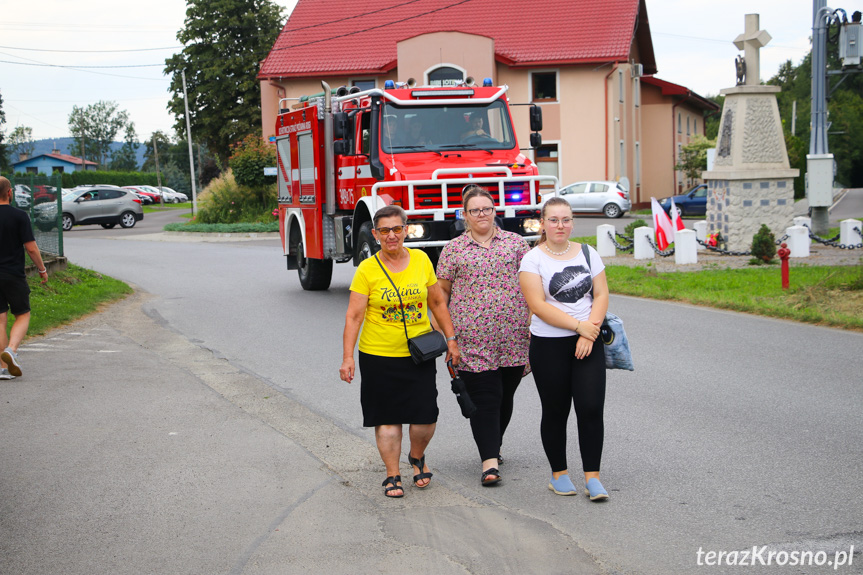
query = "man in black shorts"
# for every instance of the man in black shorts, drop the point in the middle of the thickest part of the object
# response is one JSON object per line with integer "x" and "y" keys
{"x": 16, "y": 235}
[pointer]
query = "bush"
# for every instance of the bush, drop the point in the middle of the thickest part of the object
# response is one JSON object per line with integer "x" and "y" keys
{"x": 72, "y": 179}
{"x": 630, "y": 229}
{"x": 248, "y": 160}
{"x": 226, "y": 202}
{"x": 763, "y": 245}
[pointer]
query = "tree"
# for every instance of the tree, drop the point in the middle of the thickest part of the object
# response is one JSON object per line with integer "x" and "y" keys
{"x": 4, "y": 160}
{"x": 96, "y": 126}
{"x": 693, "y": 157}
{"x": 126, "y": 158}
{"x": 21, "y": 142}
{"x": 224, "y": 41}
{"x": 163, "y": 143}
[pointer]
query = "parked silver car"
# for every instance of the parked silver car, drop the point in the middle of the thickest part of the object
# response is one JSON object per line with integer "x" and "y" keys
{"x": 609, "y": 198}
{"x": 107, "y": 206}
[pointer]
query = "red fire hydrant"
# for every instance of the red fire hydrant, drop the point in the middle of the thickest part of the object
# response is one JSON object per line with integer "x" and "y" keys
{"x": 783, "y": 252}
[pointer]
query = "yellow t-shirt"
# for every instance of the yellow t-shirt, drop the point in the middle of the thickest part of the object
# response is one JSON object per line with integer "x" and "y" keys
{"x": 383, "y": 332}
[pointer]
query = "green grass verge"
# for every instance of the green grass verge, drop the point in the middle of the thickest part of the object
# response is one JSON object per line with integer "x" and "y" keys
{"x": 157, "y": 208}
{"x": 69, "y": 295}
{"x": 827, "y": 295}
{"x": 241, "y": 228}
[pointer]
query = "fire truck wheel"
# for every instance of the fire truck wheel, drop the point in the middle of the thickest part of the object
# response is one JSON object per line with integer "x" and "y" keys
{"x": 314, "y": 274}
{"x": 367, "y": 246}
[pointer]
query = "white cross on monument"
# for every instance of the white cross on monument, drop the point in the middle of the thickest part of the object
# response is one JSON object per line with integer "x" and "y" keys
{"x": 751, "y": 42}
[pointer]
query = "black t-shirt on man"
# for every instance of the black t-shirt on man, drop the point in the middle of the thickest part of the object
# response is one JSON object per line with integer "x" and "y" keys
{"x": 15, "y": 231}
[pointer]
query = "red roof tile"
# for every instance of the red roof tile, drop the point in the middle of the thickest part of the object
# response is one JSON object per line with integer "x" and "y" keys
{"x": 70, "y": 159}
{"x": 670, "y": 89}
{"x": 361, "y": 37}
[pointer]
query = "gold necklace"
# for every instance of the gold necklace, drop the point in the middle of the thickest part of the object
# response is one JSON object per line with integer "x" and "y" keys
{"x": 483, "y": 241}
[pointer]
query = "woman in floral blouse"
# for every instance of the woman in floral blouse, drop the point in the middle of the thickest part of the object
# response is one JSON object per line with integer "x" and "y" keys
{"x": 478, "y": 271}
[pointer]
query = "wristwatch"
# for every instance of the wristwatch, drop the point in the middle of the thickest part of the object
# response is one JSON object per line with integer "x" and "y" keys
{"x": 451, "y": 338}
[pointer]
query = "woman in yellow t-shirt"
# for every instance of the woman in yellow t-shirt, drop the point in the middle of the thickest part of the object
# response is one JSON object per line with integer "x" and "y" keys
{"x": 393, "y": 389}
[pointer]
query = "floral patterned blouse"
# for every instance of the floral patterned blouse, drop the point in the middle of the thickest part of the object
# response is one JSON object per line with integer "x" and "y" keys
{"x": 489, "y": 313}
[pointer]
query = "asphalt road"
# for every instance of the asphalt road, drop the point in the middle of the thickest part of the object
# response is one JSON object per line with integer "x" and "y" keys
{"x": 734, "y": 431}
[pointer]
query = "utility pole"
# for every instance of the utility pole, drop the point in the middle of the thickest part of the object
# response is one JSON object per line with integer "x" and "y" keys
{"x": 819, "y": 161}
{"x": 189, "y": 139}
{"x": 158, "y": 173}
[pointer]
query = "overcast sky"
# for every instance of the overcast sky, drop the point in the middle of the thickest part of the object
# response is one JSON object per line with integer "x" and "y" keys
{"x": 692, "y": 40}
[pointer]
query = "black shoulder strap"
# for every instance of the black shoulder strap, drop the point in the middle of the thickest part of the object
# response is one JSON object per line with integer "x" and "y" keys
{"x": 589, "y": 271}
{"x": 397, "y": 293}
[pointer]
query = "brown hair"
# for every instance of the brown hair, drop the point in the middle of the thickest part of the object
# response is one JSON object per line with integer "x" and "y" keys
{"x": 390, "y": 211}
{"x": 5, "y": 186}
{"x": 555, "y": 201}
{"x": 470, "y": 192}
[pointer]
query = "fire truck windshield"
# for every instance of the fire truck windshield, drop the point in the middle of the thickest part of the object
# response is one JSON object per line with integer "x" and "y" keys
{"x": 406, "y": 129}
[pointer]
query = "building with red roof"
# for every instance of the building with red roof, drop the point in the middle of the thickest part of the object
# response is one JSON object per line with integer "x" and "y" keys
{"x": 51, "y": 163}
{"x": 580, "y": 60}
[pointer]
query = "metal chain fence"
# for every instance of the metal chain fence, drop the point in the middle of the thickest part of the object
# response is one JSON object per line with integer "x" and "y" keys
{"x": 832, "y": 241}
{"x": 630, "y": 247}
{"x": 40, "y": 197}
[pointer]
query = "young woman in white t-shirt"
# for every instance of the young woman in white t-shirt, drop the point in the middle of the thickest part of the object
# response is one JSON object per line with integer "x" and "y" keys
{"x": 568, "y": 362}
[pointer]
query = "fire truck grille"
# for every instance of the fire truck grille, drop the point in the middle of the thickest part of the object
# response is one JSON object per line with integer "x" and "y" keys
{"x": 429, "y": 197}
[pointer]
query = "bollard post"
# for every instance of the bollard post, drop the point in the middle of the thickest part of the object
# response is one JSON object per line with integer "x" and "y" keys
{"x": 848, "y": 233}
{"x": 684, "y": 247}
{"x": 803, "y": 221}
{"x": 798, "y": 241}
{"x": 604, "y": 246}
{"x": 641, "y": 237}
{"x": 783, "y": 252}
{"x": 700, "y": 228}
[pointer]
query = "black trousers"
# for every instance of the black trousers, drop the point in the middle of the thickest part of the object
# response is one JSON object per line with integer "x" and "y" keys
{"x": 561, "y": 380}
{"x": 493, "y": 393}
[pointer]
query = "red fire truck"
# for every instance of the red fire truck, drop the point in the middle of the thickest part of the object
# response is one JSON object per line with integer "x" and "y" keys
{"x": 344, "y": 154}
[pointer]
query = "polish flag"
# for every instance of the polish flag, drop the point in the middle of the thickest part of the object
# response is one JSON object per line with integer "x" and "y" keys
{"x": 675, "y": 217}
{"x": 662, "y": 225}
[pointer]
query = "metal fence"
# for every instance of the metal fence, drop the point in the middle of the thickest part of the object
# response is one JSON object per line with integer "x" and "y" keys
{"x": 40, "y": 196}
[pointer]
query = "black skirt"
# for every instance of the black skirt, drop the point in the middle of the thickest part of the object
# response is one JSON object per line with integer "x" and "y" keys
{"x": 395, "y": 390}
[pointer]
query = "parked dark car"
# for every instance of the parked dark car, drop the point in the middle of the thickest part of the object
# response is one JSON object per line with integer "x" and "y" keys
{"x": 692, "y": 203}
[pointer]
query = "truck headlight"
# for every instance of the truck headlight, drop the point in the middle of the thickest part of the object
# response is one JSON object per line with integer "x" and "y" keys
{"x": 530, "y": 226}
{"x": 416, "y": 231}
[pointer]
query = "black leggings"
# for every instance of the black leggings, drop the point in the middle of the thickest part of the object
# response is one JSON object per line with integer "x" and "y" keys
{"x": 492, "y": 392}
{"x": 561, "y": 379}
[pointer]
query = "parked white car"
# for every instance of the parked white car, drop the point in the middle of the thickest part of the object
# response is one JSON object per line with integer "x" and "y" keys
{"x": 169, "y": 195}
{"x": 609, "y": 198}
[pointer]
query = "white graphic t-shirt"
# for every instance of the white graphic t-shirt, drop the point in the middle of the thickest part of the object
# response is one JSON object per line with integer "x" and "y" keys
{"x": 567, "y": 286}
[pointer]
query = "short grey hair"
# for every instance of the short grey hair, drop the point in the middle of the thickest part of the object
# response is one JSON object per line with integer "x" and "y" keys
{"x": 390, "y": 211}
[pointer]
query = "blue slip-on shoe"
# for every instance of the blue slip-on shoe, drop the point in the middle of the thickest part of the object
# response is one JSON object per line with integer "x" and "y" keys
{"x": 10, "y": 358}
{"x": 594, "y": 489}
{"x": 562, "y": 485}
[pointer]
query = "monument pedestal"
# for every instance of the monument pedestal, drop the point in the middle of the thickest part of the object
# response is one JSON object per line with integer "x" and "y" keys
{"x": 751, "y": 182}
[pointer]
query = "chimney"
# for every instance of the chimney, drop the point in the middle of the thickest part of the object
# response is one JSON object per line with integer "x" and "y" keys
{"x": 55, "y": 150}
{"x": 22, "y": 157}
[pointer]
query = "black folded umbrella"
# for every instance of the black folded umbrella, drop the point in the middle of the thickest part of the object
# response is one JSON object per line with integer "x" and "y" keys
{"x": 460, "y": 390}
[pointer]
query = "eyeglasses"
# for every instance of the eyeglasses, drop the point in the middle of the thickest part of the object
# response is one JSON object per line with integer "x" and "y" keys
{"x": 386, "y": 231}
{"x": 555, "y": 221}
{"x": 477, "y": 211}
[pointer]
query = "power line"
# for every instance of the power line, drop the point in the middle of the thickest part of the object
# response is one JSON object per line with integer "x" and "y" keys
{"x": 91, "y": 51}
{"x": 78, "y": 67}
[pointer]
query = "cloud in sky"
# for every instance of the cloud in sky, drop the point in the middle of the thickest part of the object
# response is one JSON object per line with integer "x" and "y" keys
{"x": 692, "y": 40}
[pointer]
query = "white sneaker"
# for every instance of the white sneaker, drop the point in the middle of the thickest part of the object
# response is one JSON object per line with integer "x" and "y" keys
{"x": 10, "y": 358}
{"x": 4, "y": 374}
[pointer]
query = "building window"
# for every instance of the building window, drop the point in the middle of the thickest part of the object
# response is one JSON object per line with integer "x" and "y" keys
{"x": 445, "y": 76}
{"x": 364, "y": 84}
{"x": 546, "y": 157}
{"x": 679, "y": 124}
{"x": 32, "y": 170}
{"x": 695, "y": 126}
{"x": 57, "y": 169}
{"x": 622, "y": 159}
{"x": 544, "y": 86}
{"x": 637, "y": 92}
{"x": 637, "y": 163}
{"x": 688, "y": 132}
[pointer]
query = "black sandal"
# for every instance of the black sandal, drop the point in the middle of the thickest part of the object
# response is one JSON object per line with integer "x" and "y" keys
{"x": 391, "y": 481}
{"x": 485, "y": 477}
{"x": 420, "y": 464}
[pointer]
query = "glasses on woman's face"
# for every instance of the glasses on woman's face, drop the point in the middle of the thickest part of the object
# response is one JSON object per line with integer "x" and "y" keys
{"x": 386, "y": 231}
{"x": 484, "y": 211}
{"x": 556, "y": 221}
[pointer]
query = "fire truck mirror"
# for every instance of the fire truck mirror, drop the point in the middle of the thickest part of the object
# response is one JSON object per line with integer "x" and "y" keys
{"x": 535, "y": 140}
{"x": 342, "y": 148}
{"x": 535, "y": 119}
{"x": 340, "y": 125}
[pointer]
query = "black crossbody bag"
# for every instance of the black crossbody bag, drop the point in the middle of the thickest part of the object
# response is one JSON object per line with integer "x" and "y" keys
{"x": 423, "y": 347}
{"x": 617, "y": 352}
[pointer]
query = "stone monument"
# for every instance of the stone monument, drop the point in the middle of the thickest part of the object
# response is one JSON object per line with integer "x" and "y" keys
{"x": 751, "y": 182}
